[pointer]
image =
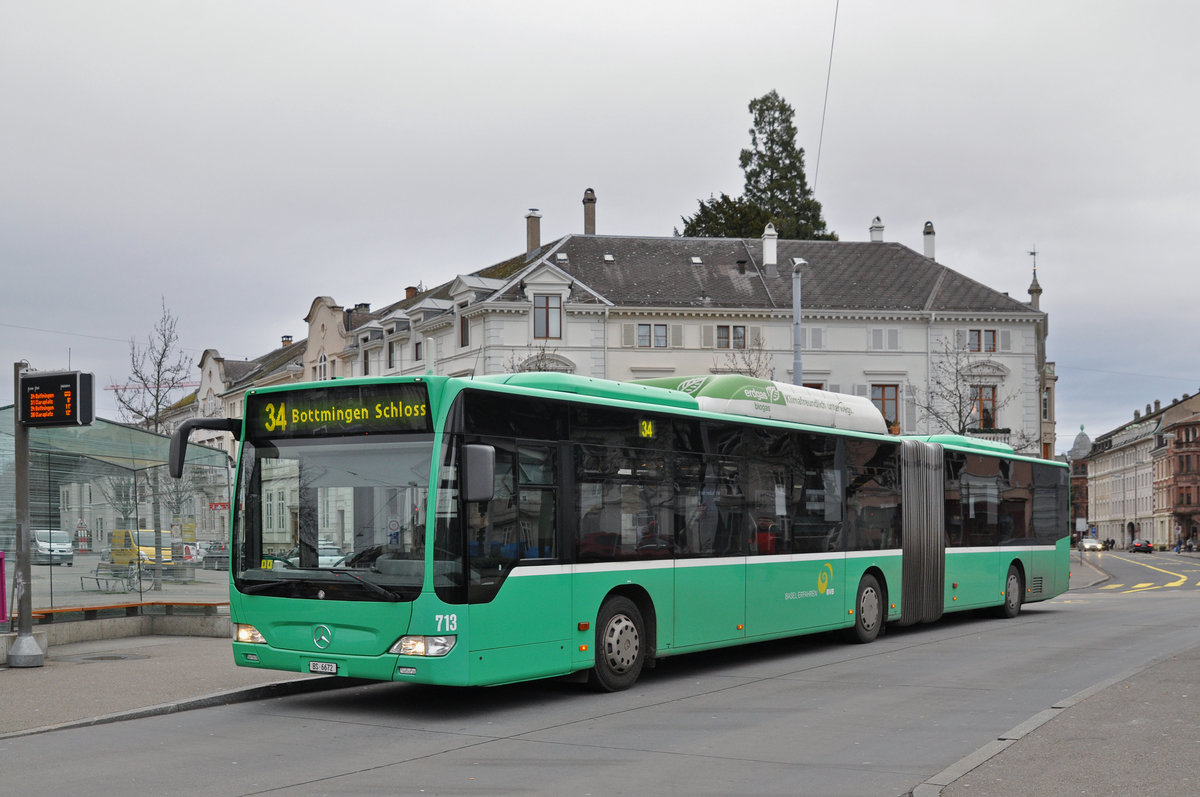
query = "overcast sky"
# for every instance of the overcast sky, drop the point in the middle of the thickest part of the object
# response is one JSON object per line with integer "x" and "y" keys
{"x": 238, "y": 159}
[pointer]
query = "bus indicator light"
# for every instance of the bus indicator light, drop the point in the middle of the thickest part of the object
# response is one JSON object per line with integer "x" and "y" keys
{"x": 584, "y": 626}
{"x": 583, "y": 648}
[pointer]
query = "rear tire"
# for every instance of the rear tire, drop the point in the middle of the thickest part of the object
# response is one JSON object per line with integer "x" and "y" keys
{"x": 620, "y": 646}
{"x": 868, "y": 610}
{"x": 1014, "y": 592}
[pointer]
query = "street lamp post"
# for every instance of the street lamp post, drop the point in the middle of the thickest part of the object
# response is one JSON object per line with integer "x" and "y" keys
{"x": 797, "y": 347}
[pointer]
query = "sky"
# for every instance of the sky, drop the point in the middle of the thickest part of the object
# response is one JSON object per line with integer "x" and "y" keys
{"x": 232, "y": 161}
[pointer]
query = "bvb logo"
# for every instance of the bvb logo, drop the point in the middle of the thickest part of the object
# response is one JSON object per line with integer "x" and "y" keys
{"x": 823, "y": 578}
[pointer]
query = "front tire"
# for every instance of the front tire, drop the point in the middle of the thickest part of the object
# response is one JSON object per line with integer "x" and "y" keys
{"x": 620, "y": 646}
{"x": 1014, "y": 590}
{"x": 868, "y": 610}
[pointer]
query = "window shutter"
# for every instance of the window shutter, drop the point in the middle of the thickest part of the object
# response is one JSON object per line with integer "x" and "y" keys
{"x": 628, "y": 334}
{"x": 910, "y": 412}
{"x": 862, "y": 390}
{"x": 876, "y": 339}
{"x": 676, "y": 336}
{"x": 834, "y": 387}
{"x": 893, "y": 340}
{"x": 816, "y": 338}
{"x": 755, "y": 338}
{"x": 1005, "y": 340}
{"x": 961, "y": 339}
{"x": 708, "y": 336}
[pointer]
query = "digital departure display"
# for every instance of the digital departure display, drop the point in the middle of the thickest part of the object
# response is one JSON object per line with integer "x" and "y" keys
{"x": 57, "y": 398}
{"x": 339, "y": 410}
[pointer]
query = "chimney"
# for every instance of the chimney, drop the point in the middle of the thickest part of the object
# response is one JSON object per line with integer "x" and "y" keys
{"x": 362, "y": 307}
{"x": 533, "y": 230}
{"x": 1157, "y": 405}
{"x": 1136, "y": 415}
{"x": 929, "y": 236}
{"x": 1147, "y": 409}
{"x": 876, "y": 230}
{"x": 287, "y": 340}
{"x": 770, "y": 259}
{"x": 589, "y": 212}
{"x": 741, "y": 264}
{"x": 410, "y": 291}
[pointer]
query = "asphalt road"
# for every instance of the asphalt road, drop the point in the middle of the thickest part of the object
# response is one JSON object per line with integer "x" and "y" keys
{"x": 811, "y": 716}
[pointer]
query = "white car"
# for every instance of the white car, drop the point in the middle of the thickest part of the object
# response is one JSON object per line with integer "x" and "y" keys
{"x": 1089, "y": 544}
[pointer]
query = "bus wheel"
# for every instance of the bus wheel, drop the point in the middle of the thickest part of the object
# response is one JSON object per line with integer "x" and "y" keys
{"x": 868, "y": 610}
{"x": 1013, "y": 589}
{"x": 620, "y": 651}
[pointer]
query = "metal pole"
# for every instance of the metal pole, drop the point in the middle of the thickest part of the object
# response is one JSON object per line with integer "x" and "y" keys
{"x": 797, "y": 348}
{"x": 25, "y": 651}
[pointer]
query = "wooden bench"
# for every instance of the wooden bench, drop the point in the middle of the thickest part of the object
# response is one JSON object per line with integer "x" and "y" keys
{"x": 44, "y": 616}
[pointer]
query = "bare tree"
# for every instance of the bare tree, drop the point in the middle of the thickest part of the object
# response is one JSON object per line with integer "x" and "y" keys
{"x": 156, "y": 373}
{"x": 963, "y": 395}
{"x": 533, "y": 358}
{"x": 752, "y": 360}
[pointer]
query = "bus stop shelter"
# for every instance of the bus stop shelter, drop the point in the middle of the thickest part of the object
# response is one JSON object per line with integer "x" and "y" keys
{"x": 87, "y": 481}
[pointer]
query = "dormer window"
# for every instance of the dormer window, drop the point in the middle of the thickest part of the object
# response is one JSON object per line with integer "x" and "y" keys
{"x": 547, "y": 316}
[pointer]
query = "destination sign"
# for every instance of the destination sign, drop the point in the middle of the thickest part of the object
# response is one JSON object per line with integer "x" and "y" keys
{"x": 339, "y": 410}
{"x": 57, "y": 398}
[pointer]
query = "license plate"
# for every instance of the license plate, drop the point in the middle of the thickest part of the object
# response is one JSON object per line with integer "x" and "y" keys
{"x": 327, "y": 667}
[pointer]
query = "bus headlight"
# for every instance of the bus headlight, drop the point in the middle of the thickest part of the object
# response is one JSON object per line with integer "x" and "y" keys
{"x": 247, "y": 633}
{"x": 424, "y": 645}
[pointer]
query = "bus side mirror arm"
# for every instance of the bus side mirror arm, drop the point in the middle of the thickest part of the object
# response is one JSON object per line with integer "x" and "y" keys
{"x": 478, "y": 472}
{"x": 179, "y": 439}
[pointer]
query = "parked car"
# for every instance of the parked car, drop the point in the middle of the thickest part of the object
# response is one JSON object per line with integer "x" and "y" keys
{"x": 327, "y": 555}
{"x": 1141, "y": 545}
{"x": 216, "y": 556}
{"x": 52, "y": 548}
{"x": 1089, "y": 544}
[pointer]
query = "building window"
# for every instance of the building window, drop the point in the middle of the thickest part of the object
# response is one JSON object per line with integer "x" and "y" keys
{"x": 322, "y": 368}
{"x": 886, "y": 399}
{"x": 652, "y": 336}
{"x": 983, "y": 400}
{"x": 417, "y": 351}
{"x": 366, "y": 363}
{"x": 547, "y": 316}
{"x": 981, "y": 340}
{"x": 731, "y": 337}
{"x": 391, "y": 354}
{"x": 1046, "y": 404}
{"x": 464, "y": 332}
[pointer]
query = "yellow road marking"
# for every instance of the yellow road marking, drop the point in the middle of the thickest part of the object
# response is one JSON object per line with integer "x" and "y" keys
{"x": 1180, "y": 579}
{"x": 1112, "y": 586}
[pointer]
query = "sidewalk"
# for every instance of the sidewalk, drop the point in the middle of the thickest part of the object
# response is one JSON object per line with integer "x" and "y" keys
{"x": 111, "y": 679}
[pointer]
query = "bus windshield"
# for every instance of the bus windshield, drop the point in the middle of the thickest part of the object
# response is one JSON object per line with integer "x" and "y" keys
{"x": 344, "y": 517}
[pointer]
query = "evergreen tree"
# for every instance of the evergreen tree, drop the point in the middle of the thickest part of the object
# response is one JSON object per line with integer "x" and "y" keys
{"x": 726, "y": 217}
{"x": 776, "y": 189}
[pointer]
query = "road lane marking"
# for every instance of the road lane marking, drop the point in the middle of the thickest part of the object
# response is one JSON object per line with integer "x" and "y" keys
{"x": 1179, "y": 581}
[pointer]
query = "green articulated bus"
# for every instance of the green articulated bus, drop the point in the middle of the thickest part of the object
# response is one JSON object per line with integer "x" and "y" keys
{"x": 519, "y": 526}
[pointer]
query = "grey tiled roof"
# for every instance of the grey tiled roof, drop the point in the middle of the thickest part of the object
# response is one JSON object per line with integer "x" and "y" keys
{"x": 839, "y": 275}
{"x": 242, "y": 373}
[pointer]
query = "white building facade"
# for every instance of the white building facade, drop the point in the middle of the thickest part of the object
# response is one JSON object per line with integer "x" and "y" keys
{"x": 878, "y": 320}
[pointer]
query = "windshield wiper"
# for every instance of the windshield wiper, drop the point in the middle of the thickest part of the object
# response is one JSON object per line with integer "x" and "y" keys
{"x": 371, "y": 585}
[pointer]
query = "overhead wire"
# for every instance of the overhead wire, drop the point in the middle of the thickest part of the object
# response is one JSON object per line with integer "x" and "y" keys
{"x": 825, "y": 105}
